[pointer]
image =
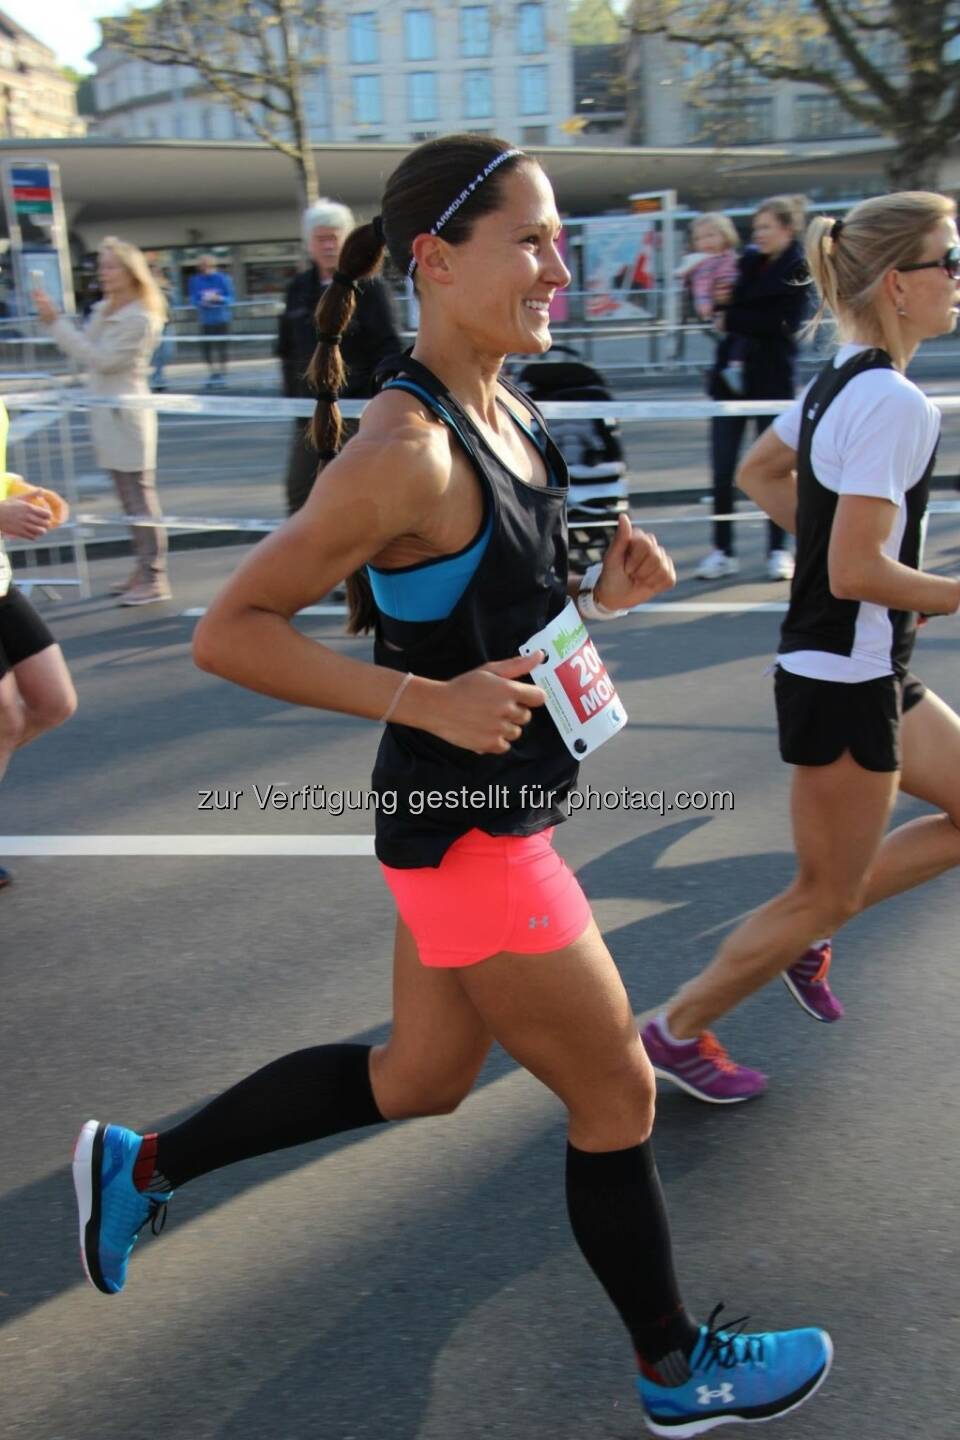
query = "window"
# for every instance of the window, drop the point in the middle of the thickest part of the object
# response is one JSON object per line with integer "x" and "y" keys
{"x": 367, "y": 107}
{"x": 530, "y": 29}
{"x": 475, "y": 31}
{"x": 478, "y": 94}
{"x": 315, "y": 107}
{"x": 367, "y": 137}
{"x": 206, "y": 124}
{"x": 422, "y": 95}
{"x": 533, "y": 90}
{"x": 418, "y": 136}
{"x": 740, "y": 121}
{"x": 420, "y": 43}
{"x": 363, "y": 38}
{"x": 822, "y": 117}
{"x": 533, "y": 135}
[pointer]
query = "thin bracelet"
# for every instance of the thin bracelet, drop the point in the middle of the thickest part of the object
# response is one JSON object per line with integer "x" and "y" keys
{"x": 396, "y": 697}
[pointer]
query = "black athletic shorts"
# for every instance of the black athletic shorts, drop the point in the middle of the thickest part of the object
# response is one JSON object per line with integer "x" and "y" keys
{"x": 22, "y": 632}
{"x": 819, "y": 720}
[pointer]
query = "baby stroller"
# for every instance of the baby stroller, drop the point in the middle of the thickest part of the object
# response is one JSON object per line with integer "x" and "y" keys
{"x": 591, "y": 448}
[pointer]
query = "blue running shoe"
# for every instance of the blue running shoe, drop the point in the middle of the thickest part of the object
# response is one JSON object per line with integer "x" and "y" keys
{"x": 112, "y": 1210}
{"x": 737, "y": 1378}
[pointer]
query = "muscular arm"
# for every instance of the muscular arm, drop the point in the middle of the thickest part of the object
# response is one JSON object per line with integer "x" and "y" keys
{"x": 385, "y": 484}
{"x": 768, "y": 476}
{"x": 859, "y": 570}
{"x": 390, "y": 483}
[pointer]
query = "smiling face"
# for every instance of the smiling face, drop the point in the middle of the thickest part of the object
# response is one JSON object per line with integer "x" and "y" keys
{"x": 929, "y": 297}
{"x": 497, "y": 286}
{"x": 770, "y": 235}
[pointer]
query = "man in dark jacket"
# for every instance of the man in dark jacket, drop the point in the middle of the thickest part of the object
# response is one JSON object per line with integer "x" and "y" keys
{"x": 372, "y": 335}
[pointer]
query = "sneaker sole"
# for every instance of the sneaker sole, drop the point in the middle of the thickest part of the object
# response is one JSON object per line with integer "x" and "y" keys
{"x": 686, "y": 1429}
{"x": 153, "y": 600}
{"x": 795, "y": 992}
{"x": 699, "y": 1094}
{"x": 87, "y": 1167}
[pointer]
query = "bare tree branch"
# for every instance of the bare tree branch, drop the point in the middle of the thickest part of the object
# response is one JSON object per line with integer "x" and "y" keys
{"x": 886, "y": 62}
{"x": 247, "y": 54}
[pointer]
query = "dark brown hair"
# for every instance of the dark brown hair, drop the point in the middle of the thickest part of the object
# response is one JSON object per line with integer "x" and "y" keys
{"x": 417, "y": 193}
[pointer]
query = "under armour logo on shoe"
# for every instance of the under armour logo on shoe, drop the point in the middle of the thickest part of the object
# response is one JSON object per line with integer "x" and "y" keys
{"x": 534, "y": 921}
{"x": 725, "y": 1393}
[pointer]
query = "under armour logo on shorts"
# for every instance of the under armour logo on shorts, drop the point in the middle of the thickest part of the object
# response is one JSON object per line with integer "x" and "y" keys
{"x": 535, "y": 920}
{"x": 725, "y": 1393}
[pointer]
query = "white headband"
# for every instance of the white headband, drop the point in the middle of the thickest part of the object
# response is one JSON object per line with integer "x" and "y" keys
{"x": 464, "y": 195}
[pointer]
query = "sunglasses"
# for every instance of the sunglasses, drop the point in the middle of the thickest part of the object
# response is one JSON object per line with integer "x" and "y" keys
{"x": 949, "y": 262}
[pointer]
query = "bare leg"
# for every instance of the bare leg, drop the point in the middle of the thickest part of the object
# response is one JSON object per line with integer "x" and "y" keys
{"x": 924, "y": 848}
{"x": 35, "y": 696}
{"x": 839, "y": 815}
{"x": 437, "y": 1044}
{"x": 567, "y": 1019}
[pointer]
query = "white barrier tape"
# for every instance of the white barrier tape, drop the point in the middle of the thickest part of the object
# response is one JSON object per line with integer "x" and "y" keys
{"x": 122, "y": 846}
{"x": 276, "y": 407}
{"x": 169, "y": 522}
{"x": 201, "y": 523}
{"x": 677, "y": 607}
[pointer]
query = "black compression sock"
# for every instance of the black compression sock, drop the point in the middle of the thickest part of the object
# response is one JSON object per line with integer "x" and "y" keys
{"x": 304, "y": 1096}
{"x": 620, "y": 1223}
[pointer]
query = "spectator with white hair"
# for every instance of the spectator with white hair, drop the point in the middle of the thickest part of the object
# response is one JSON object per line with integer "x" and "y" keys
{"x": 370, "y": 337}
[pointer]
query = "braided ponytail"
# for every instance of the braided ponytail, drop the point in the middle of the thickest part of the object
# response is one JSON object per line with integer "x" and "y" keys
{"x": 360, "y": 259}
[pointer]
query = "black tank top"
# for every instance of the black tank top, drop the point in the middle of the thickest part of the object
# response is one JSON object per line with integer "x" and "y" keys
{"x": 816, "y": 619}
{"x": 518, "y": 587}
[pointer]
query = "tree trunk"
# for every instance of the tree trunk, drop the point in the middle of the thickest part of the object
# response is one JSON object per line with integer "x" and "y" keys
{"x": 307, "y": 176}
{"x": 915, "y": 164}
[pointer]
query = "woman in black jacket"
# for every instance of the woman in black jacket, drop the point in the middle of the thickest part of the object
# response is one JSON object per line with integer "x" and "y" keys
{"x": 372, "y": 335}
{"x": 764, "y": 313}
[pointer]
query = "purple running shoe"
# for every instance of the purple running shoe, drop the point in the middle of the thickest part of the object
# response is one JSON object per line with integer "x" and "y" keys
{"x": 701, "y": 1067}
{"x": 807, "y": 982}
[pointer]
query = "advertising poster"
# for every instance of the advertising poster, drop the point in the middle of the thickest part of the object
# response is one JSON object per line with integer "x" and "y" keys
{"x": 622, "y": 267}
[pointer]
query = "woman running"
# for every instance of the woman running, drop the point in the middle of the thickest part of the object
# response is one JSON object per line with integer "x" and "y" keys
{"x": 847, "y": 468}
{"x": 452, "y": 497}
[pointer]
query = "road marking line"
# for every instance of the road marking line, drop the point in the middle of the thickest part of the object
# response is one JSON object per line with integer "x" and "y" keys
{"x": 679, "y": 607}
{"x": 109, "y": 846}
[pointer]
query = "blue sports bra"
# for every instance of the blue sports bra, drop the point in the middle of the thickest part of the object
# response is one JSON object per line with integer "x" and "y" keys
{"x": 430, "y": 589}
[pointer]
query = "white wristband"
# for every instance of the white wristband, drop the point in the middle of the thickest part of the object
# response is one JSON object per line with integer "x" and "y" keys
{"x": 589, "y": 606}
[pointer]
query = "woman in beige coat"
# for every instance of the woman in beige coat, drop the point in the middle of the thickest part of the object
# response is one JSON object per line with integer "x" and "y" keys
{"x": 116, "y": 347}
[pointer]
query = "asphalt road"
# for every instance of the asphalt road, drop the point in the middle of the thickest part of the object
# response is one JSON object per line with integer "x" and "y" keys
{"x": 419, "y": 1282}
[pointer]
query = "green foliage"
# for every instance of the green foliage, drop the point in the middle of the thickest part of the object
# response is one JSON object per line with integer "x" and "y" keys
{"x": 594, "y": 22}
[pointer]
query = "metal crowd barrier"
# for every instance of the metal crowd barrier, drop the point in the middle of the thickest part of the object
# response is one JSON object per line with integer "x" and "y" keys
{"x": 38, "y": 414}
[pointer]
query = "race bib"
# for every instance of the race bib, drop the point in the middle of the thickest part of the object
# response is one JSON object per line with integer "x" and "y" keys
{"x": 581, "y": 698}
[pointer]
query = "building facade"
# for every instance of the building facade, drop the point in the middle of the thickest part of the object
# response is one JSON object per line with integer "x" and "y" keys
{"x": 394, "y": 71}
{"x": 679, "y": 95}
{"x": 37, "y": 100}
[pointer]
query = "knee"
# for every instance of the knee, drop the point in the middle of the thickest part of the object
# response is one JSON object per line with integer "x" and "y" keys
{"x": 418, "y": 1099}
{"x": 12, "y": 725}
{"x": 404, "y": 1093}
{"x": 55, "y": 709}
{"x": 832, "y": 903}
{"x": 618, "y": 1109}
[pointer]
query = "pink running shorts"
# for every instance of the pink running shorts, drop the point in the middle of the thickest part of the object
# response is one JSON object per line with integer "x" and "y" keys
{"x": 490, "y": 893}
